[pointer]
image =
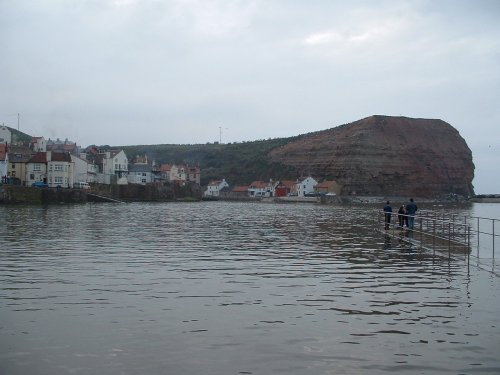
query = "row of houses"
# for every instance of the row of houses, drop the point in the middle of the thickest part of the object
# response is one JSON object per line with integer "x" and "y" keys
{"x": 274, "y": 188}
{"x": 64, "y": 164}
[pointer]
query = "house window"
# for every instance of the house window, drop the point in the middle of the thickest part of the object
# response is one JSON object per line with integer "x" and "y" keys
{"x": 36, "y": 167}
{"x": 13, "y": 166}
{"x": 58, "y": 180}
{"x": 58, "y": 167}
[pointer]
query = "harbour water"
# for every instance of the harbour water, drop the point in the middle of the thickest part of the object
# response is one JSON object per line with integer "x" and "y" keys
{"x": 236, "y": 288}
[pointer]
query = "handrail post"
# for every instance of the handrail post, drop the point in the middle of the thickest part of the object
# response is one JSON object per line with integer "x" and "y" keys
{"x": 434, "y": 238}
{"x": 453, "y": 226}
{"x": 468, "y": 250}
{"x": 478, "y": 237}
{"x": 449, "y": 240}
{"x": 421, "y": 234}
{"x": 465, "y": 229}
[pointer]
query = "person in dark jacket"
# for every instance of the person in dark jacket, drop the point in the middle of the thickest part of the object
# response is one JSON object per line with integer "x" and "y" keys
{"x": 387, "y": 211}
{"x": 401, "y": 216}
{"x": 411, "y": 209}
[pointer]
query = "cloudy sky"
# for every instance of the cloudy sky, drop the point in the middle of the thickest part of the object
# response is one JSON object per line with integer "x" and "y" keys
{"x": 125, "y": 72}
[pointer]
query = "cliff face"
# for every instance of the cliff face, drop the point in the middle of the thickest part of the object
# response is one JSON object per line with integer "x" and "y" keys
{"x": 382, "y": 155}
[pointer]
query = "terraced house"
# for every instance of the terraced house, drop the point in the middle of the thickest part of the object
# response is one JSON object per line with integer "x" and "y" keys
{"x": 52, "y": 168}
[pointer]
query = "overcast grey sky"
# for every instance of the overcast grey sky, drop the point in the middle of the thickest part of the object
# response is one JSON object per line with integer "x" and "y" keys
{"x": 125, "y": 72}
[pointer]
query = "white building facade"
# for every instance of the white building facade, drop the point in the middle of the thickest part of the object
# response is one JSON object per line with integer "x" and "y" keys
{"x": 81, "y": 169}
{"x": 306, "y": 186}
{"x": 60, "y": 171}
{"x": 214, "y": 188}
{"x": 5, "y": 135}
{"x": 114, "y": 167}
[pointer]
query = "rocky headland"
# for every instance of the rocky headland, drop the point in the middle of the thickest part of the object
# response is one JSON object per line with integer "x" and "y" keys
{"x": 385, "y": 156}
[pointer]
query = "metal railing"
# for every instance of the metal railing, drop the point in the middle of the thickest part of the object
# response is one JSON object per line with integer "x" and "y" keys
{"x": 473, "y": 236}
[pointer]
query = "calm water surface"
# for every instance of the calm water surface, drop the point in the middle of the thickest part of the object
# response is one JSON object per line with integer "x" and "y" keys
{"x": 229, "y": 288}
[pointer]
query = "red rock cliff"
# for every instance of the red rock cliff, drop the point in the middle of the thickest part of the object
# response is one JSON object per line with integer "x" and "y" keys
{"x": 382, "y": 155}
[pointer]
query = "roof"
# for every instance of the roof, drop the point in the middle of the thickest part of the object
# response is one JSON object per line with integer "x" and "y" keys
{"x": 325, "y": 184}
{"x": 305, "y": 178}
{"x": 70, "y": 147}
{"x": 139, "y": 168}
{"x": 240, "y": 189}
{"x": 39, "y": 157}
{"x": 61, "y": 156}
{"x": 165, "y": 167}
{"x": 258, "y": 185}
{"x": 214, "y": 183}
{"x": 16, "y": 157}
{"x": 288, "y": 183}
{"x": 113, "y": 153}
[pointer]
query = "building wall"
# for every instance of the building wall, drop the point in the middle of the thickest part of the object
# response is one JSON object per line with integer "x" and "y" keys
{"x": 142, "y": 178}
{"x": 5, "y": 135}
{"x": 17, "y": 170}
{"x": 60, "y": 173}
{"x": 80, "y": 171}
{"x": 34, "y": 173}
{"x": 306, "y": 186}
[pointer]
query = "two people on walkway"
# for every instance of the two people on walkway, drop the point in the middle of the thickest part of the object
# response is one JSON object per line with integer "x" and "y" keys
{"x": 406, "y": 214}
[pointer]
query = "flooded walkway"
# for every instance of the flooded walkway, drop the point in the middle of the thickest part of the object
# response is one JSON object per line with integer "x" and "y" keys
{"x": 234, "y": 288}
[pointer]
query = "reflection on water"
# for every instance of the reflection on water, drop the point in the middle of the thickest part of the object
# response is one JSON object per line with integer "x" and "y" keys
{"x": 230, "y": 288}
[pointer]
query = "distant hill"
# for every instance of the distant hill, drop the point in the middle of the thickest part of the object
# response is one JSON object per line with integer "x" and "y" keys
{"x": 384, "y": 155}
{"x": 238, "y": 163}
{"x": 378, "y": 155}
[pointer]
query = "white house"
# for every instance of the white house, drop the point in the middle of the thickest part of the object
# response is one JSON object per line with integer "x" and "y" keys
{"x": 81, "y": 169}
{"x": 36, "y": 168}
{"x": 60, "y": 170}
{"x": 306, "y": 186}
{"x": 214, "y": 188}
{"x": 38, "y": 144}
{"x": 140, "y": 174}
{"x": 5, "y": 135}
{"x": 261, "y": 189}
{"x": 92, "y": 172}
{"x": 114, "y": 167}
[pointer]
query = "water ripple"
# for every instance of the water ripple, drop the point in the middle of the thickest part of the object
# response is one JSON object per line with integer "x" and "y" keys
{"x": 218, "y": 288}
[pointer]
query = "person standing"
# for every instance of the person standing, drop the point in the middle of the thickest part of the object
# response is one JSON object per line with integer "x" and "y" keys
{"x": 387, "y": 214}
{"x": 401, "y": 216}
{"x": 411, "y": 210}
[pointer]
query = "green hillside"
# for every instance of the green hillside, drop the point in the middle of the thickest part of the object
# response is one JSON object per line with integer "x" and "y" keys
{"x": 238, "y": 163}
{"x": 18, "y": 136}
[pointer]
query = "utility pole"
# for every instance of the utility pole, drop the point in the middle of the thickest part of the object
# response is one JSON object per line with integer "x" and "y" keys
{"x": 18, "y": 115}
{"x": 220, "y": 134}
